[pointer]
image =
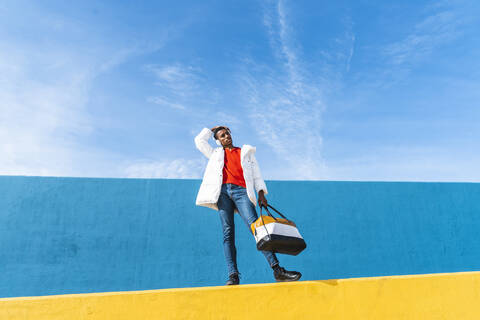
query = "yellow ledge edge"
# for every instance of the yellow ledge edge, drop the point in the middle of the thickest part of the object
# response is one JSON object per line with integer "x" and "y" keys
{"x": 430, "y": 296}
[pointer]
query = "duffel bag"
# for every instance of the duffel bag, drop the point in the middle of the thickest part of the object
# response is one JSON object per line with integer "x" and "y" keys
{"x": 278, "y": 235}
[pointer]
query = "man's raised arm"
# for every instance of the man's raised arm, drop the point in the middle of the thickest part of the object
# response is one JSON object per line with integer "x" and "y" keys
{"x": 201, "y": 142}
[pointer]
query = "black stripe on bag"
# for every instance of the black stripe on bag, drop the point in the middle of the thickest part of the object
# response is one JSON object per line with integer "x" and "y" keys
{"x": 281, "y": 244}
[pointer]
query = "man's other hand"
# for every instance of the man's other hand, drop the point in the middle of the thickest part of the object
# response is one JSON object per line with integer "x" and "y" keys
{"x": 262, "y": 201}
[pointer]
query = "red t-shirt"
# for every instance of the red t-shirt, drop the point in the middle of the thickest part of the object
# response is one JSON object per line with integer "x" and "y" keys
{"x": 232, "y": 168}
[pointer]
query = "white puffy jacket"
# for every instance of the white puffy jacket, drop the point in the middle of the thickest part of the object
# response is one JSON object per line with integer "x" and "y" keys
{"x": 213, "y": 177}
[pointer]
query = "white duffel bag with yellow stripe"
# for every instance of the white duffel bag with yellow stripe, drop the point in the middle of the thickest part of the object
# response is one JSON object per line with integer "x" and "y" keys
{"x": 278, "y": 235}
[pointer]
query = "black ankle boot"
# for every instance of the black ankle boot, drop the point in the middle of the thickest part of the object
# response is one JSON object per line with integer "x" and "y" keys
{"x": 282, "y": 275}
{"x": 233, "y": 279}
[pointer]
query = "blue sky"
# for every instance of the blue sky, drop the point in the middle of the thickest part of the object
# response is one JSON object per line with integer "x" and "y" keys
{"x": 326, "y": 90}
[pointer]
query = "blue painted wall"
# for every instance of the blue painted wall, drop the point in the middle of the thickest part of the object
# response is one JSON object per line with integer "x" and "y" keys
{"x": 76, "y": 235}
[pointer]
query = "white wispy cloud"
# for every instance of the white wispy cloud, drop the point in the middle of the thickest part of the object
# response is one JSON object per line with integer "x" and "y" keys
{"x": 178, "y": 86}
{"x": 346, "y": 45}
{"x": 174, "y": 74}
{"x": 285, "y": 103}
{"x": 161, "y": 101}
{"x": 176, "y": 77}
{"x": 186, "y": 89}
{"x": 44, "y": 92}
{"x": 441, "y": 25}
{"x": 39, "y": 116}
{"x": 177, "y": 168}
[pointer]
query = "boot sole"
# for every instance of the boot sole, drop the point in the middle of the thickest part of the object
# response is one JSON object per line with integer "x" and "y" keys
{"x": 289, "y": 280}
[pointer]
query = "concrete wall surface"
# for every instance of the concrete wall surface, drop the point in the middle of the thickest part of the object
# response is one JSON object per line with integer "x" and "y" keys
{"x": 425, "y": 297}
{"x": 80, "y": 235}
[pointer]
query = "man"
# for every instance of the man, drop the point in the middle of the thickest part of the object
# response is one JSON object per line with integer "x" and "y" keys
{"x": 229, "y": 183}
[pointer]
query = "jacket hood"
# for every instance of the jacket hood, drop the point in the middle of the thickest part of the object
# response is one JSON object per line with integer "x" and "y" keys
{"x": 247, "y": 149}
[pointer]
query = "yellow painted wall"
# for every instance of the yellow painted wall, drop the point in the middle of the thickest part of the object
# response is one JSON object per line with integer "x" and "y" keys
{"x": 439, "y": 296}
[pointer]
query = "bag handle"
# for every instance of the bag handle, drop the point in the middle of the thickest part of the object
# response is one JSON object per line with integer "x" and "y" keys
{"x": 268, "y": 212}
{"x": 275, "y": 211}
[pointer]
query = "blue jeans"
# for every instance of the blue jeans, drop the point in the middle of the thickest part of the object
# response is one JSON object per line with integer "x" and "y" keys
{"x": 232, "y": 196}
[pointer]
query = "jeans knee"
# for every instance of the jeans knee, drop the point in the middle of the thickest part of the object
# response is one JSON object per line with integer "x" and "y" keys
{"x": 228, "y": 234}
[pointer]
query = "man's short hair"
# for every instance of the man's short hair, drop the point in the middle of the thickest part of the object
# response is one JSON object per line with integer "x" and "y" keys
{"x": 218, "y": 129}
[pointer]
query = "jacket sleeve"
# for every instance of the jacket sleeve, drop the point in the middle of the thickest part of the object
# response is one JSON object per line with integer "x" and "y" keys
{"x": 257, "y": 176}
{"x": 201, "y": 142}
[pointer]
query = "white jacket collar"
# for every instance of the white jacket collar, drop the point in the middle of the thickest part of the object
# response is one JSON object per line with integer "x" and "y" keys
{"x": 246, "y": 150}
